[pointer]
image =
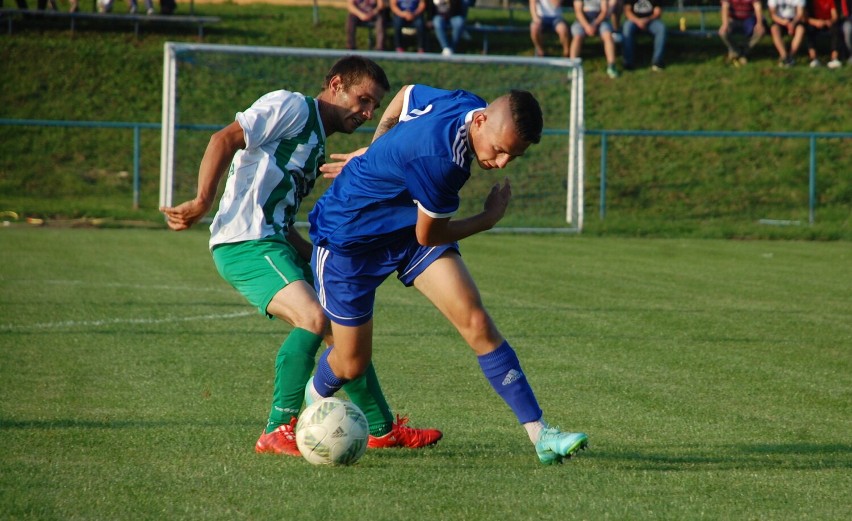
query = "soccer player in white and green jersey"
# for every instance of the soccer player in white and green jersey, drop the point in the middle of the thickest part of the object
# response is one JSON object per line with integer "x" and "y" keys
{"x": 272, "y": 153}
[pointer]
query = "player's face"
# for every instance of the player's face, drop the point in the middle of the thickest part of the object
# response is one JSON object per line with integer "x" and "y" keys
{"x": 493, "y": 137}
{"x": 357, "y": 104}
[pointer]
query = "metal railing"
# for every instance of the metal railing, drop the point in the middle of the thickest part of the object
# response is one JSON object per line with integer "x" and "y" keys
{"x": 810, "y": 136}
{"x": 603, "y": 133}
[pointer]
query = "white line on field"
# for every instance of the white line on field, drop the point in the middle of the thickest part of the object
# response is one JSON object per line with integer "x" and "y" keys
{"x": 96, "y": 323}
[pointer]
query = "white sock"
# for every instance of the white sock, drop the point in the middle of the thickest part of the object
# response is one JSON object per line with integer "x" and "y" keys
{"x": 313, "y": 392}
{"x": 534, "y": 429}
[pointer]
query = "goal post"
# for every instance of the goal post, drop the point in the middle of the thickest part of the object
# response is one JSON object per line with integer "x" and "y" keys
{"x": 204, "y": 85}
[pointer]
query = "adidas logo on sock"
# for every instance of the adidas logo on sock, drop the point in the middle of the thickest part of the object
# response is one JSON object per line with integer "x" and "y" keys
{"x": 338, "y": 433}
{"x": 512, "y": 376}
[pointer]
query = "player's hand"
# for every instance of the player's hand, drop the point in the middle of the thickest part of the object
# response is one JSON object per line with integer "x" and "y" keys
{"x": 331, "y": 170}
{"x": 184, "y": 215}
{"x": 498, "y": 200}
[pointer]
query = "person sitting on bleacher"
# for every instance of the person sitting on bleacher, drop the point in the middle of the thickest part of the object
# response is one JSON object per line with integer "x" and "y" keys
{"x": 788, "y": 18}
{"x": 643, "y": 15}
{"x": 448, "y": 20}
{"x": 105, "y": 6}
{"x": 593, "y": 19}
{"x": 547, "y": 14}
{"x": 823, "y": 18}
{"x": 363, "y": 13}
{"x": 408, "y": 13}
{"x": 744, "y": 17}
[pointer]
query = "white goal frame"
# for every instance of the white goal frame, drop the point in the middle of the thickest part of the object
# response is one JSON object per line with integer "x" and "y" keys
{"x": 576, "y": 124}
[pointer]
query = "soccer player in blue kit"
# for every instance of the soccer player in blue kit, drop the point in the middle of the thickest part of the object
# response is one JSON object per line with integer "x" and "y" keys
{"x": 391, "y": 209}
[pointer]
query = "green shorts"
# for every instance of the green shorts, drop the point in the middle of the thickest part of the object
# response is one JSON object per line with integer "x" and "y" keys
{"x": 260, "y": 269}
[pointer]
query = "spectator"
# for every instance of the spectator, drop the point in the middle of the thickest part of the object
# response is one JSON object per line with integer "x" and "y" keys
{"x": 593, "y": 19}
{"x": 41, "y": 4}
{"x": 787, "y": 19}
{"x": 408, "y": 13}
{"x": 105, "y": 6}
{"x": 547, "y": 14}
{"x": 746, "y": 18}
{"x": 823, "y": 18}
{"x": 364, "y": 13}
{"x": 168, "y": 6}
{"x": 448, "y": 16}
{"x": 643, "y": 15}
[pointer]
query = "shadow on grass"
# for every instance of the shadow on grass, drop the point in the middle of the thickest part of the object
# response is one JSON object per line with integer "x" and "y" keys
{"x": 752, "y": 456}
{"x": 59, "y": 424}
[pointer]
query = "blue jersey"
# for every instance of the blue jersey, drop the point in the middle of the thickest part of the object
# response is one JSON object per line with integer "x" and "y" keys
{"x": 423, "y": 161}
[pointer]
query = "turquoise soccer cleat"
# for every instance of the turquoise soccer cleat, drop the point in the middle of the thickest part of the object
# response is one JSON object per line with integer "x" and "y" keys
{"x": 554, "y": 446}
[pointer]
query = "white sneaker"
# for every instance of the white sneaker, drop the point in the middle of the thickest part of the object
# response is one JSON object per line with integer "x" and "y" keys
{"x": 834, "y": 64}
{"x": 447, "y": 52}
{"x": 815, "y": 63}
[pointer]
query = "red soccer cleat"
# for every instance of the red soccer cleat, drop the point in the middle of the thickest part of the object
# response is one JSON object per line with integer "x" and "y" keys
{"x": 403, "y": 436}
{"x": 280, "y": 441}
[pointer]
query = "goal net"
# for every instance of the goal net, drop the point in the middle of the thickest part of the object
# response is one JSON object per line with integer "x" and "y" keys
{"x": 205, "y": 85}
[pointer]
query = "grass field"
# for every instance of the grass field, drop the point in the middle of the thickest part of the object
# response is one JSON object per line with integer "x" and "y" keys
{"x": 714, "y": 379}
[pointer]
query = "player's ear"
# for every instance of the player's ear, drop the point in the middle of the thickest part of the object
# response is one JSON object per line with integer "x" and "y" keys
{"x": 479, "y": 118}
{"x": 335, "y": 85}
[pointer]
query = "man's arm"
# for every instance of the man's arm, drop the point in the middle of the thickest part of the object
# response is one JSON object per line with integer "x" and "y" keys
{"x": 431, "y": 231}
{"x": 391, "y": 115}
{"x": 217, "y": 158}
{"x": 725, "y": 14}
{"x": 534, "y": 11}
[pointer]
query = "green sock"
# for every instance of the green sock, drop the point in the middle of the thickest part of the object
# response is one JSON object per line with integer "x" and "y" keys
{"x": 366, "y": 393}
{"x": 293, "y": 367}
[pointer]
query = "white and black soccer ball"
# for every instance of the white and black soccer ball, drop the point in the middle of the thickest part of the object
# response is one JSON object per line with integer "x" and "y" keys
{"x": 331, "y": 431}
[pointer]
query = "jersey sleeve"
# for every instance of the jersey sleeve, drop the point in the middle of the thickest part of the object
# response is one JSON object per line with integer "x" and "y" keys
{"x": 275, "y": 116}
{"x": 434, "y": 184}
{"x": 417, "y": 99}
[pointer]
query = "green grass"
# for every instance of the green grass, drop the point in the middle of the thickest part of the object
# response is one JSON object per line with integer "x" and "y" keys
{"x": 690, "y": 187}
{"x": 713, "y": 378}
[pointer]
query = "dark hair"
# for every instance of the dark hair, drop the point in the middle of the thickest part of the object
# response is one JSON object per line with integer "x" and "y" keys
{"x": 353, "y": 69}
{"x": 526, "y": 114}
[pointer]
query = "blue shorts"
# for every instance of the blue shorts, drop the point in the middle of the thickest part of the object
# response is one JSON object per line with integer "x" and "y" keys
{"x": 346, "y": 284}
{"x": 551, "y": 22}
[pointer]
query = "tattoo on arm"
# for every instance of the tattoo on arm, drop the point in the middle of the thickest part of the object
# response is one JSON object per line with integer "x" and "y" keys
{"x": 384, "y": 126}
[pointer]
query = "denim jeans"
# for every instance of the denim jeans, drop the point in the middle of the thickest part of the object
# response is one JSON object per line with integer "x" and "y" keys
{"x": 418, "y": 24}
{"x": 456, "y": 23}
{"x": 657, "y": 29}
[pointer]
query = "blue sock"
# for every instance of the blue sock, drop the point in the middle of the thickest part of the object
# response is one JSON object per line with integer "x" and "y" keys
{"x": 503, "y": 370}
{"x": 325, "y": 381}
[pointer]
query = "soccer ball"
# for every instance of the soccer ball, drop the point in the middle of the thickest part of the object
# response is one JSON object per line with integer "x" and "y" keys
{"x": 331, "y": 431}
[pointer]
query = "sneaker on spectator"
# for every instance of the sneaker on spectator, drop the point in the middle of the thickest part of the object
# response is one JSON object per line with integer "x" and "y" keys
{"x": 835, "y": 64}
{"x": 132, "y": 9}
{"x": 150, "y": 11}
{"x": 658, "y": 67}
{"x": 611, "y": 71}
{"x": 815, "y": 63}
{"x": 447, "y": 52}
{"x": 400, "y": 49}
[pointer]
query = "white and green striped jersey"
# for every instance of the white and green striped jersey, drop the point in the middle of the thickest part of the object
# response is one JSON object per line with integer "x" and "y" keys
{"x": 285, "y": 146}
